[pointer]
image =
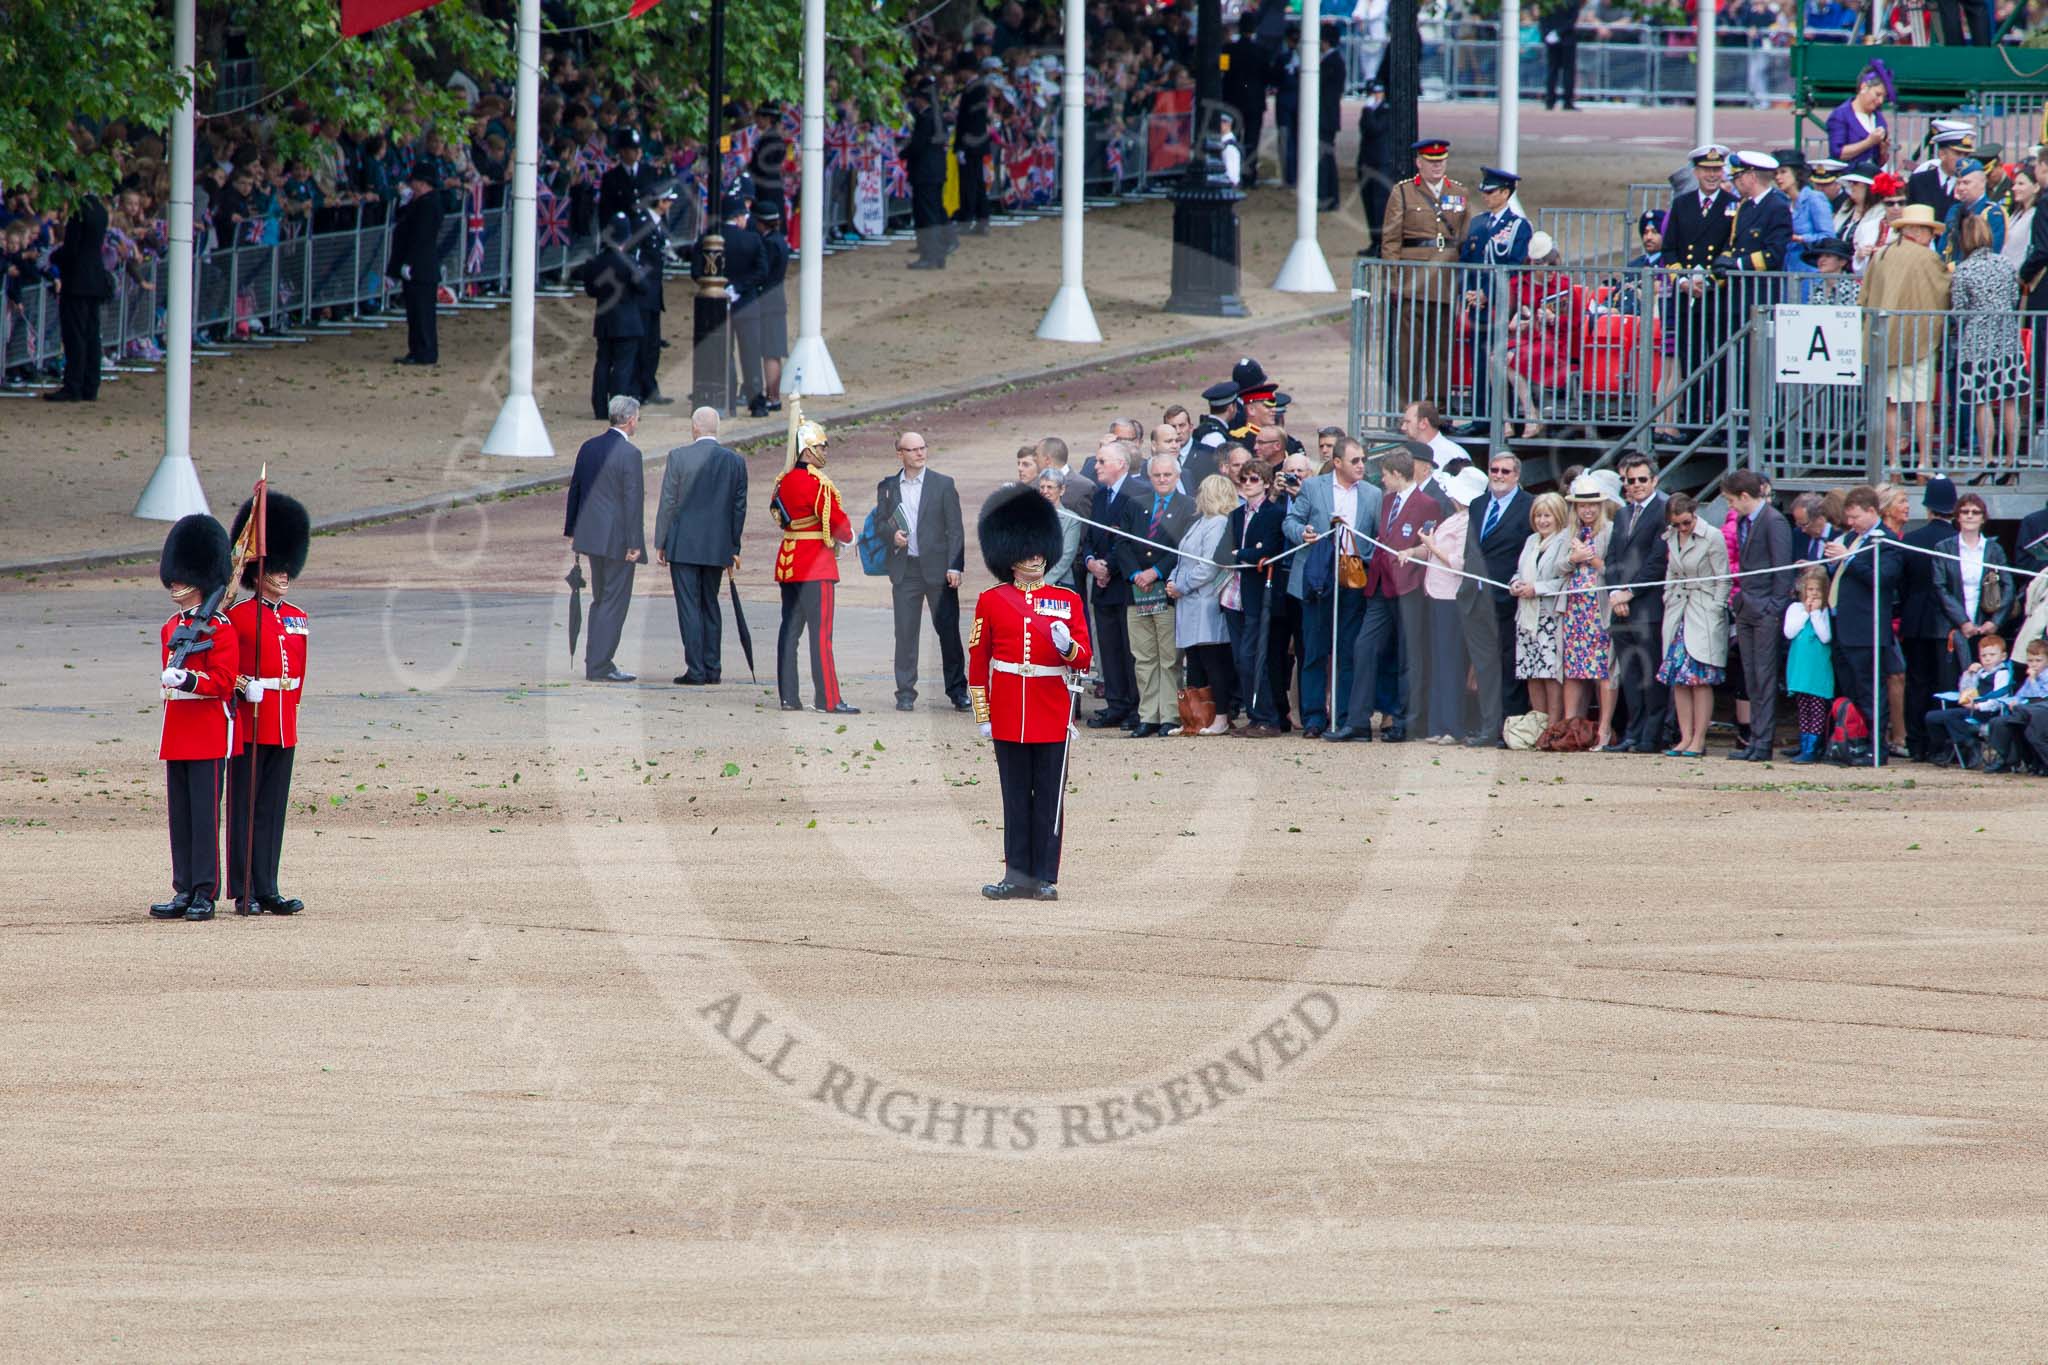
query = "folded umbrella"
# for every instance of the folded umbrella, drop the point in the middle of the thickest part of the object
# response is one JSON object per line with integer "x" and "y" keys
{"x": 739, "y": 618}
{"x": 574, "y": 578}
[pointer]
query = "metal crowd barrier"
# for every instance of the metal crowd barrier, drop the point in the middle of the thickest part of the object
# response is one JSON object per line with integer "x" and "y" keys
{"x": 1641, "y": 65}
{"x": 1592, "y": 360}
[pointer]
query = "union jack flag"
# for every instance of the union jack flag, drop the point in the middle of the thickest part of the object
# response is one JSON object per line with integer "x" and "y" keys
{"x": 1044, "y": 173}
{"x": 551, "y": 221}
{"x": 252, "y": 231}
{"x": 899, "y": 178}
{"x": 839, "y": 143}
{"x": 474, "y": 261}
{"x": 1113, "y": 153}
{"x": 792, "y": 123}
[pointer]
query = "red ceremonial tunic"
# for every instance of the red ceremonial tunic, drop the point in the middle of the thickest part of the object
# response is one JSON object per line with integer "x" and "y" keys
{"x": 1016, "y": 678}
{"x": 273, "y": 649}
{"x": 200, "y": 723}
{"x": 814, "y": 525}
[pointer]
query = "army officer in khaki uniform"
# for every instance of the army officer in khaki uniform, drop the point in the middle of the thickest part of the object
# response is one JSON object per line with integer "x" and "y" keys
{"x": 1425, "y": 222}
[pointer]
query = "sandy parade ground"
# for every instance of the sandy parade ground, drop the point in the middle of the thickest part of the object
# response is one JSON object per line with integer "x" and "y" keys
{"x": 653, "y": 1023}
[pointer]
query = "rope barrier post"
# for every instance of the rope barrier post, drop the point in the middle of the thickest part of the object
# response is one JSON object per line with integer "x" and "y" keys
{"x": 1877, "y": 741}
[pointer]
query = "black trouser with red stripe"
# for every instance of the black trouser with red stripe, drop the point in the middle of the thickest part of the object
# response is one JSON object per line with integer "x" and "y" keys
{"x": 1030, "y": 778}
{"x": 807, "y": 606}
{"x": 273, "y": 786}
{"x": 193, "y": 788}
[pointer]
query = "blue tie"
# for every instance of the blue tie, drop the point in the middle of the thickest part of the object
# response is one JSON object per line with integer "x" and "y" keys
{"x": 1492, "y": 519}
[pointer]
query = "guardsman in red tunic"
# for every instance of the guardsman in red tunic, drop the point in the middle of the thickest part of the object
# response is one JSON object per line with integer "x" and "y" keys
{"x": 814, "y": 525}
{"x": 198, "y": 660}
{"x": 270, "y": 679}
{"x": 1029, "y": 640}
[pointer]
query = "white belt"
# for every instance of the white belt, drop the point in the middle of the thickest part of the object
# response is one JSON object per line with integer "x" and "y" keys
{"x": 1029, "y": 670}
{"x": 180, "y": 694}
{"x": 280, "y": 684}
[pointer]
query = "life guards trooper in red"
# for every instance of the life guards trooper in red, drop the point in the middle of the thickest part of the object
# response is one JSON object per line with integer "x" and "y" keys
{"x": 198, "y": 656}
{"x": 814, "y": 525}
{"x": 270, "y": 678}
{"x": 1029, "y": 640}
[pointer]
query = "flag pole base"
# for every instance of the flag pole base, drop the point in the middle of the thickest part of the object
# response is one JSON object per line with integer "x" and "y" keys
{"x": 1070, "y": 318}
{"x": 519, "y": 432}
{"x": 1306, "y": 272}
{"x": 173, "y": 491}
{"x": 809, "y": 369}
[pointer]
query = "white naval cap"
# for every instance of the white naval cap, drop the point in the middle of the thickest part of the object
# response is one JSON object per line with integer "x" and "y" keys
{"x": 1755, "y": 161}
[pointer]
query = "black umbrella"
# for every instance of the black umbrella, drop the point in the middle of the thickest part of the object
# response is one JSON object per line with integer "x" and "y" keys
{"x": 574, "y": 578}
{"x": 739, "y": 618}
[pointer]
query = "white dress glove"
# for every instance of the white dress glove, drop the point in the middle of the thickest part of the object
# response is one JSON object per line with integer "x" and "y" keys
{"x": 1062, "y": 638}
{"x": 253, "y": 690}
{"x": 988, "y": 731}
{"x": 177, "y": 678}
{"x": 405, "y": 273}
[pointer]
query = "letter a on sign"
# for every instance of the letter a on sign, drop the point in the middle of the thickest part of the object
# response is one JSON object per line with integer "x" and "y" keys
{"x": 1818, "y": 347}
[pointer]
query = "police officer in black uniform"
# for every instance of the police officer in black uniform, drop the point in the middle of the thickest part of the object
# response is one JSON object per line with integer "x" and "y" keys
{"x": 746, "y": 275}
{"x": 629, "y": 180}
{"x": 620, "y": 285}
{"x": 924, "y": 157}
{"x": 970, "y": 144}
{"x": 650, "y": 252}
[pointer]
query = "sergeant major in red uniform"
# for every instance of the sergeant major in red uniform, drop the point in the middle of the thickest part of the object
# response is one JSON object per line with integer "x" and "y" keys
{"x": 814, "y": 526}
{"x": 1028, "y": 640}
{"x": 199, "y": 722}
{"x": 270, "y": 679}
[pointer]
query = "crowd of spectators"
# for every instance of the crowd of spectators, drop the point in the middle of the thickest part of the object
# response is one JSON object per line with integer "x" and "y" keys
{"x": 1403, "y": 592}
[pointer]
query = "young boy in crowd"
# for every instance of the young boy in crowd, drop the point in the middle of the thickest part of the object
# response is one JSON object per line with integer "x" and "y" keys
{"x": 199, "y": 714}
{"x": 1980, "y": 695}
{"x": 2022, "y": 715}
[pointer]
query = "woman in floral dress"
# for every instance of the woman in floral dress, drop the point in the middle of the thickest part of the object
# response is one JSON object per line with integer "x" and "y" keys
{"x": 1587, "y": 646}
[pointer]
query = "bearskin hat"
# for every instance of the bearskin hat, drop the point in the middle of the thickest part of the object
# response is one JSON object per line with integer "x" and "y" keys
{"x": 1017, "y": 523}
{"x": 196, "y": 552}
{"x": 287, "y": 536}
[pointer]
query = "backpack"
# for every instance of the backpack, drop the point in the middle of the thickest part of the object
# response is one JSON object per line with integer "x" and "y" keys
{"x": 874, "y": 551}
{"x": 1848, "y": 734}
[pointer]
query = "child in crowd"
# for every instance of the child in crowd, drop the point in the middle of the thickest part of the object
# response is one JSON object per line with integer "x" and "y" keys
{"x": 1809, "y": 662}
{"x": 1980, "y": 695}
{"x": 2023, "y": 715}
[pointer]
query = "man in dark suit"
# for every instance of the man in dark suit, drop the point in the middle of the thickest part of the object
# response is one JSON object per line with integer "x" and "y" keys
{"x": 1933, "y": 182}
{"x": 1493, "y": 547}
{"x": 1697, "y": 230}
{"x": 620, "y": 285}
{"x": 1245, "y": 82}
{"x": 1153, "y": 522}
{"x": 697, "y": 527}
{"x": 1864, "y": 588}
{"x": 1110, "y": 592}
{"x": 1636, "y": 553}
{"x": 918, "y": 510}
{"x": 1559, "y": 25}
{"x": 82, "y": 286}
{"x": 2034, "y": 296}
{"x": 1923, "y": 626}
{"x": 1394, "y": 606}
{"x": 415, "y": 262}
{"x": 629, "y": 179}
{"x": 1330, "y": 81}
{"x": 609, "y": 526}
{"x": 1763, "y": 540}
{"x": 924, "y": 157}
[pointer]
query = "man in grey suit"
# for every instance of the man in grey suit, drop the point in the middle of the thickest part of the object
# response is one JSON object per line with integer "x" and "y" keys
{"x": 697, "y": 528}
{"x": 1340, "y": 495}
{"x": 1763, "y": 541}
{"x": 920, "y": 508}
{"x": 609, "y": 525}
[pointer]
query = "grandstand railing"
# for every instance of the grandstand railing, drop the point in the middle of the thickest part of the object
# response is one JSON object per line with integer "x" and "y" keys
{"x": 1593, "y": 358}
{"x": 1632, "y": 65}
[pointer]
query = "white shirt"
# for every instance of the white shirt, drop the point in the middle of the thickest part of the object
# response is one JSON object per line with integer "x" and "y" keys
{"x": 913, "y": 496}
{"x": 1973, "y": 574}
{"x": 1344, "y": 502}
{"x": 1447, "y": 450}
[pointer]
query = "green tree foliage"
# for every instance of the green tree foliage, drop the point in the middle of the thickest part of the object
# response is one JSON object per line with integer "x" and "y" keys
{"x": 104, "y": 59}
